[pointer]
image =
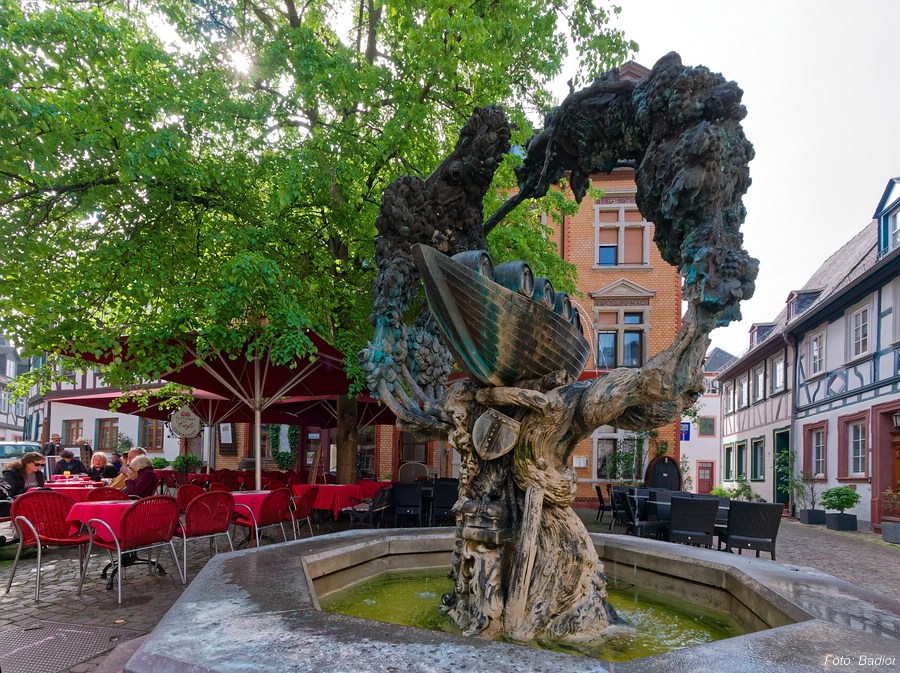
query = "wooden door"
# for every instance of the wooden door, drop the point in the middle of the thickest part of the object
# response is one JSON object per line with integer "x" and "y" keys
{"x": 706, "y": 476}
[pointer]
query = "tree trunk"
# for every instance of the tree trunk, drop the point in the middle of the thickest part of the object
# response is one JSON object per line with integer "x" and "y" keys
{"x": 346, "y": 436}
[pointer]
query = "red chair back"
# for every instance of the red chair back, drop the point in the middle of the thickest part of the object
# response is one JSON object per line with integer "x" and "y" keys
{"x": 274, "y": 508}
{"x": 304, "y": 504}
{"x": 180, "y": 478}
{"x": 168, "y": 478}
{"x": 149, "y": 520}
{"x": 209, "y": 513}
{"x": 216, "y": 486}
{"x": 273, "y": 485}
{"x": 186, "y": 493}
{"x": 106, "y": 493}
{"x": 228, "y": 479}
{"x": 46, "y": 510}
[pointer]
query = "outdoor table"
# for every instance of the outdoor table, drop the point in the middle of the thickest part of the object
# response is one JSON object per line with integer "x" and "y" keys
{"x": 331, "y": 497}
{"x": 369, "y": 488}
{"x": 77, "y": 478}
{"x": 78, "y": 492}
{"x": 662, "y": 511}
{"x": 251, "y": 499}
{"x": 110, "y": 511}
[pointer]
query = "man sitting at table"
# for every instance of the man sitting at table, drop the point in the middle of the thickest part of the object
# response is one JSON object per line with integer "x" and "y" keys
{"x": 145, "y": 480}
{"x": 127, "y": 468}
{"x": 69, "y": 463}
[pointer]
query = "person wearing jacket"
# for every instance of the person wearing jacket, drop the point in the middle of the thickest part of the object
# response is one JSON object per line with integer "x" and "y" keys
{"x": 19, "y": 476}
{"x": 100, "y": 468}
{"x": 69, "y": 463}
{"x": 145, "y": 481}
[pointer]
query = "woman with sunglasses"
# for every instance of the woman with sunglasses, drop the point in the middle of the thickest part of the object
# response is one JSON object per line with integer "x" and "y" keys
{"x": 19, "y": 476}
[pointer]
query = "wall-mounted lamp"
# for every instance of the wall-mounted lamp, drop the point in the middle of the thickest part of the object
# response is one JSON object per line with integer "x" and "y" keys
{"x": 896, "y": 418}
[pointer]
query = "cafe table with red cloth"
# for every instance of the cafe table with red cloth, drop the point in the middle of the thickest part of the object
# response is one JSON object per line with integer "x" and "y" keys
{"x": 77, "y": 491}
{"x": 331, "y": 497}
{"x": 369, "y": 488}
{"x": 252, "y": 499}
{"x": 77, "y": 478}
{"x": 110, "y": 511}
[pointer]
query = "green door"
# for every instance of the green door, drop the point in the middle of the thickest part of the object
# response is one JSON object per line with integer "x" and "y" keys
{"x": 782, "y": 446}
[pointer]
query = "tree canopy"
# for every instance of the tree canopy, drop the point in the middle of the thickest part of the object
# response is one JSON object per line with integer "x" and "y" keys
{"x": 215, "y": 168}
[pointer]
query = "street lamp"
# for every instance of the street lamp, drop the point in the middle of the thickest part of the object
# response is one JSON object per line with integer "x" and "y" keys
{"x": 896, "y": 418}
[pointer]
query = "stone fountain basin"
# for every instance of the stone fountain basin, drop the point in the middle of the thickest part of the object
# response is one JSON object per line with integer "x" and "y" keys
{"x": 258, "y": 610}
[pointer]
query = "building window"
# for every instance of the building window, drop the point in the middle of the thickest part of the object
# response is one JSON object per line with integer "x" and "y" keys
{"x": 4, "y": 402}
{"x": 728, "y": 397}
{"x": 706, "y": 426}
{"x": 365, "y": 443}
{"x": 620, "y": 338}
{"x": 622, "y": 236}
{"x": 412, "y": 448}
{"x": 853, "y": 446}
{"x": 20, "y": 407}
{"x": 619, "y": 454}
{"x": 758, "y": 459}
{"x": 152, "y": 434}
{"x": 72, "y": 430}
{"x": 859, "y": 332}
{"x": 729, "y": 462}
{"x": 815, "y": 436}
{"x": 107, "y": 434}
{"x": 778, "y": 377}
{"x": 817, "y": 354}
{"x": 741, "y": 392}
{"x": 818, "y": 453}
{"x": 857, "y": 440}
{"x": 759, "y": 383}
{"x": 710, "y": 387}
{"x": 741, "y": 460}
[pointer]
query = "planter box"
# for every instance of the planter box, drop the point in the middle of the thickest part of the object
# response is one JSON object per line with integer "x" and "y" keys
{"x": 812, "y": 516}
{"x": 890, "y": 531}
{"x": 840, "y": 521}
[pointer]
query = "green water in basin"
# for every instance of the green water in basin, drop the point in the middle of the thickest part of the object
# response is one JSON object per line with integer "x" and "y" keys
{"x": 660, "y": 623}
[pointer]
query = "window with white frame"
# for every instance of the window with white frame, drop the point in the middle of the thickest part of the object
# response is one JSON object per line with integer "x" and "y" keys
{"x": 857, "y": 442}
{"x": 778, "y": 374}
{"x": 619, "y": 454}
{"x": 817, "y": 442}
{"x": 859, "y": 332}
{"x": 758, "y": 459}
{"x": 741, "y": 386}
{"x": 20, "y": 406}
{"x": 11, "y": 368}
{"x": 621, "y": 236}
{"x": 706, "y": 426}
{"x": 710, "y": 387}
{"x": 728, "y": 397}
{"x": 759, "y": 383}
{"x": 621, "y": 338}
{"x": 4, "y": 402}
{"x": 894, "y": 230}
{"x": 817, "y": 354}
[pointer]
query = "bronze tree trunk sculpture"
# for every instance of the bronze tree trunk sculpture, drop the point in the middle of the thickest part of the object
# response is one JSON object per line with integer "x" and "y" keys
{"x": 524, "y": 566}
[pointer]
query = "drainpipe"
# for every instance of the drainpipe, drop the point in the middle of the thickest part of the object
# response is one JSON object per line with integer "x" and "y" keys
{"x": 790, "y": 342}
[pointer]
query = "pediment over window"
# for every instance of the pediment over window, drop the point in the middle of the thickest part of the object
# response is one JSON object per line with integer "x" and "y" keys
{"x": 623, "y": 288}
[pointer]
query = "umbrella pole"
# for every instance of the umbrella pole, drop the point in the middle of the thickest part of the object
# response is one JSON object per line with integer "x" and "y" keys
{"x": 257, "y": 432}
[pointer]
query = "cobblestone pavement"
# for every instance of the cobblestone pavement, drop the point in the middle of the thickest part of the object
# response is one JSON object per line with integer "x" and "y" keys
{"x": 861, "y": 558}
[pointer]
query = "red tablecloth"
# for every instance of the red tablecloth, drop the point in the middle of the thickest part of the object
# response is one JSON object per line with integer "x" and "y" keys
{"x": 110, "y": 511}
{"x": 332, "y": 497}
{"x": 253, "y": 500}
{"x": 369, "y": 488}
{"x": 77, "y": 478}
{"x": 78, "y": 492}
{"x": 200, "y": 478}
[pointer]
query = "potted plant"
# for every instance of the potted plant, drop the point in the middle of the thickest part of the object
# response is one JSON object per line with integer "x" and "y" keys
{"x": 840, "y": 498}
{"x": 186, "y": 463}
{"x": 809, "y": 496}
{"x": 159, "y": 463}
{"x": 890, "y": 514}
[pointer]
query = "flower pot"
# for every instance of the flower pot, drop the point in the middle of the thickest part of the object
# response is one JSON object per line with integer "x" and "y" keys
{"x": 890, "y": 531}
{"x": 812, "y": 516}
{"x": 840, "y": 521}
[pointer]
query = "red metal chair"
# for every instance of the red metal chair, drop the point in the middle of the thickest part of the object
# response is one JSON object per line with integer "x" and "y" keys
{"x": 186, "y": 493}
{"x": 206, "y": 516}
{"x": 106, "y": 493}
{"x": 147, "y": 524}
{"x": 40, "y": 521}
{"x": 180, "y": 478}
{"x": 167, "y": 481}
{"x": 217, "y": 486}
{"x": 303, "y": 507}
{"x": 273, "y": 512}
{"x": 273, "y": 485}
{"x": 230, "y": 480}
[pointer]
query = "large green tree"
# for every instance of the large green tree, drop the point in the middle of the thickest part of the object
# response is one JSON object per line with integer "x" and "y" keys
{"x": 214, "y": 167}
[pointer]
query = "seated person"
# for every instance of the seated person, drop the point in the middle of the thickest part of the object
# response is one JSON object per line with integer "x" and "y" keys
{"x": 100, "y": 467}
{"x": 19, "y": 476}
{"x": 115, "y": 461}
{"x": 69, "y": 463}
{"x": 145, "y": 480}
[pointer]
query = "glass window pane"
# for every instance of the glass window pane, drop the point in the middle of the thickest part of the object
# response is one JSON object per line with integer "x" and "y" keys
{"x": 633, "y": 349}
{"x": 606, "y": 350}
{"x": 633, "y": 318}
{"x": 608, "y": 255}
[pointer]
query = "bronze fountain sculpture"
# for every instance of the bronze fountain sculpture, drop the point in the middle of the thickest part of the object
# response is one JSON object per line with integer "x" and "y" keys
{"x": 524, "y": 567}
